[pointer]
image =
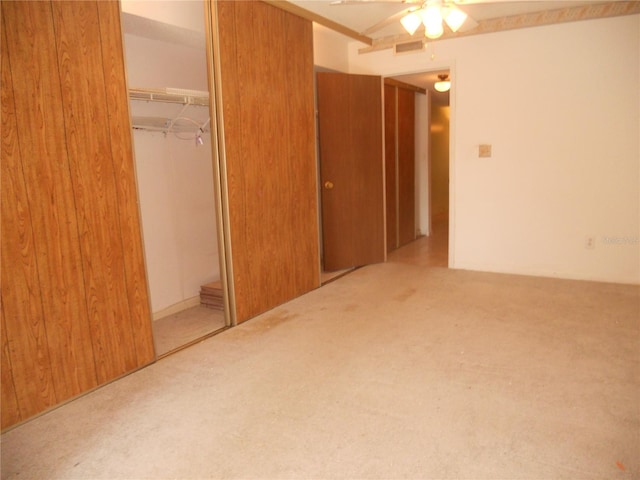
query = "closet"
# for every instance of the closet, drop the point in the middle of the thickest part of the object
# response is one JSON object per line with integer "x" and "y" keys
{"x": 76, "y": 302}
{"x": 169, "y": 103}
{"x": 400, "y": 158}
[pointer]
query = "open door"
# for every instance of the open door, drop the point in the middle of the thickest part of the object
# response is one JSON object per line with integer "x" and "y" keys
{"x": 351, "y": 169}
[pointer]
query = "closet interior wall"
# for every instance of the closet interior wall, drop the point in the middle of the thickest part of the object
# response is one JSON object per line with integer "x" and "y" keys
{"x": 173, "y": 151}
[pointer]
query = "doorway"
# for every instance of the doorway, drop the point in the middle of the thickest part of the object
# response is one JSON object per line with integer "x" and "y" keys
{"x": 433, "y": 119}
{"x": 169, "y": 104}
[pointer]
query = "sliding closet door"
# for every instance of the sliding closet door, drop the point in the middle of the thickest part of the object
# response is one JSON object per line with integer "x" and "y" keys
{"x": 75, "y": 310}
{"x": 406, "y": 166}
{"x": 399, "y": 124}
{"x": 266, "y": 63}
{"x": 390, "y": 146}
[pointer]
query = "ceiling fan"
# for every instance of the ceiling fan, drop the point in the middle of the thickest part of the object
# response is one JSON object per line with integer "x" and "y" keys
{"x": 433, "y": 14}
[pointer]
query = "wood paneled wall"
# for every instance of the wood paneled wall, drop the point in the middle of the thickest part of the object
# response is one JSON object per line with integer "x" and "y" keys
{"x": 266, "y": 62}
{"x": 75, "y": 309}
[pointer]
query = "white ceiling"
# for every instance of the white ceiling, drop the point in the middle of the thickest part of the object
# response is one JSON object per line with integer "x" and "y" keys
{"x": 359, "y": 15}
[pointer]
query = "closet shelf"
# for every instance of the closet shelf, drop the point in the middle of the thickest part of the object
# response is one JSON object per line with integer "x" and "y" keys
{"x": 170, "y": 95}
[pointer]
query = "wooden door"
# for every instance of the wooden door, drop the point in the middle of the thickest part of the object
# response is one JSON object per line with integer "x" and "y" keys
{"x": 352, "y": 169}
{"x": 266, "y": 80}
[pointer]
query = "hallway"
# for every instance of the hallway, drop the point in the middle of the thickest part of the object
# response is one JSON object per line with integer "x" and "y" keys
{"x": 426, "y": 251}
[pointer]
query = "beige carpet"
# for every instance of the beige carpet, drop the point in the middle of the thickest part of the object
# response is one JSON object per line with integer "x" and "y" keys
{"x": 393, "y": 371}
{"x": 179, "y": 329}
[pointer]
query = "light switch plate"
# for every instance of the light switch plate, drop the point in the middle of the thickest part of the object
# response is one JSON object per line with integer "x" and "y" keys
{"x": 484, "y": 151}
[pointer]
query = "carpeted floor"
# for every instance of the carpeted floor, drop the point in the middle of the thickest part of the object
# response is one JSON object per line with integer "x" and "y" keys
{"x": 393, "y": 371}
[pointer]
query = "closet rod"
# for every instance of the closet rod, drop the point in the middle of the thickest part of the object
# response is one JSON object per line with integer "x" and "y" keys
{"x": 170, "y": 95}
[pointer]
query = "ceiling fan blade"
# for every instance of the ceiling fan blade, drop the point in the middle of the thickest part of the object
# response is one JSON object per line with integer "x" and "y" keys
{"x": 388, "y": 21}
{"x": 468, "y": 25}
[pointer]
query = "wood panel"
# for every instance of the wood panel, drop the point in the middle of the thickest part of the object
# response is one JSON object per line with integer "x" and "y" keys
{"x": 92, "y": 172}
{"x": 20, "y": 291}
{"x": 45, "y": 314}
{"x": 10, "y": 408}
{"x": 406, "y": 166}
{"x": 350, "y": 128}
{"x": 121, "y": 142}
{"x": 267, "y": 83}
{"x": 72, "y": 270}
{"x": 390, "y": 145}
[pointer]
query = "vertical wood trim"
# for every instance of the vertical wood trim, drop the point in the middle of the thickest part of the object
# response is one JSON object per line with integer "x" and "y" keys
{"x": 125, "y": 177}
{"x": 267, "y": 80}
{"x": 92, "y": 171}
{"x": 49, "y": 201}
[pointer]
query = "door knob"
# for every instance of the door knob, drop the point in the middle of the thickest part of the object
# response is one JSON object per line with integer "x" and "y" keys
{"x": 328, "y": 185}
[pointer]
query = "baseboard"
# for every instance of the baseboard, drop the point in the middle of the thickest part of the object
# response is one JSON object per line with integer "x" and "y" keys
{"x": 176, "y": 308}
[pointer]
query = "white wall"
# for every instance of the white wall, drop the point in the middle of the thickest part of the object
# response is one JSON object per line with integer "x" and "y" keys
{"x": 330, "y": 49}
{"x": 187, "y": 14}
{"x": 560, "y": 105}
{"x": 175, "y": 185}
{"x": 158, "y": 64}
{"x": 175, "y": 177}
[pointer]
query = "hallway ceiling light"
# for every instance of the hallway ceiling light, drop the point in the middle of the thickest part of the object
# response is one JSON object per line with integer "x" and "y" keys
{"x": 444, "y": 84}
{"x": 432, "y": 13}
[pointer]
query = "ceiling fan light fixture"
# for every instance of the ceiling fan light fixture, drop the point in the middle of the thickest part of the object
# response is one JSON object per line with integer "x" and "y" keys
{"x": 432, "y": 19}
{"x": 443, "y": 85}
{"x": 454, "y": 17}
{"x": 411, "y": 22}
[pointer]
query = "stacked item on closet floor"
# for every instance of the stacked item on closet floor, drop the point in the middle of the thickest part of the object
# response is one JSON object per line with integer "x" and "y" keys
{"x": 211, "y": 295}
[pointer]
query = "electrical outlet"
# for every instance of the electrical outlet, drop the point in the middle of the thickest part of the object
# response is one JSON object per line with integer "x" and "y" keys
{"x": 590, "y": 243}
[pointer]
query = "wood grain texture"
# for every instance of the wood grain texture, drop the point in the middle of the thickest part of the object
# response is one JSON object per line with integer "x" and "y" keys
{"x": 92, "y": 172}
{"x": 390, "y": 144}
{"x": 46, "y": 204}
{"x": 351, "y": 157}
{"x": 121, "y": 142}
{"x": 27, "y": 381}
{"x": 267, "y": 91}
{"x": 70, "y": 264}
{"x": 10, "y": 408}
{"x": 406, "y": 166}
